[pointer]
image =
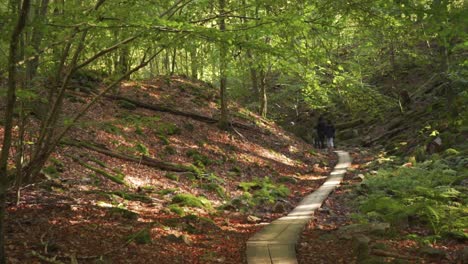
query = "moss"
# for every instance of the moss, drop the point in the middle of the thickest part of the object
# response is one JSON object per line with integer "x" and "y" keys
{"x": 141, "y": 237}
{"x": 262, "y": 191}
{"x": 139, "y": 131}
{"x": 172, "y": 176}
{"x": 110, "y": 128}
{"x": 50, "y": 171}
{"x": 147, "y": 188}
{"x": 132, "y": 196}
{"x": 58, "y": 164}
{"x": 199, "y": 159}
{"x": 124, "y": 213}
{"x": 168, "y": 129}
{"x": 142, "y": 149}
{"x": 191, "y": 200}
{"x": 287, "y": 179}
{"x": 220, "y": 191}
{"x": 126, "y": 105}
{"x": 176, "y": 209}
{"x": 164, "y": 140}
{"x": 119, "y": 178}
{"x": 166, "y": 191}
{"x": 170, "y": 150}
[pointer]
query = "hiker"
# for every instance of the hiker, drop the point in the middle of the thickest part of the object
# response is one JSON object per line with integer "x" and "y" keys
{"x": 319, "y": 140}
{"x": 329, "y": 132}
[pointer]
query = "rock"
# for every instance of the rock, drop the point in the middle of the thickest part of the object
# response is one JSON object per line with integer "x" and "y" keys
{"x": 279, "y": 208}
{"x": 347, "y": 232}
{"x": 359, "y": 176}
{"x": 361, "y": 246}
{"x": 463, "y": 255}
{"x": 253, "y": 219}
{"x": 325, "y": 210}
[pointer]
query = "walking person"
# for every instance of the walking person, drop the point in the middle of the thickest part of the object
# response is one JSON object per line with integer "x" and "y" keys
{"x": 320, "y": 127}
{"x": 329, "y": 134}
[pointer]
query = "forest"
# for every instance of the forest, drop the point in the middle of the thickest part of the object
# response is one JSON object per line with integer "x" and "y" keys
{"x": 151, "y": 131}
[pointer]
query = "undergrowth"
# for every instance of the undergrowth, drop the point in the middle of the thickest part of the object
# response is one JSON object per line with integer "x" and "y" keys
{"x": 431, "y": 194}
{"x": 257, "y": 193}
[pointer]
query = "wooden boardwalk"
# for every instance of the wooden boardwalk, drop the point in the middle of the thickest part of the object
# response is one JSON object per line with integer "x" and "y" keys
{"x": 276, "y": 242}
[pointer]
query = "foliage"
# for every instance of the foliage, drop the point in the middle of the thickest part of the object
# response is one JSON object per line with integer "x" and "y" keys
{"x": 427, "y": 194}
{"x": 259, "y": 192}
{"x": 199, "y": 159}
{"x": 172, "y": 176}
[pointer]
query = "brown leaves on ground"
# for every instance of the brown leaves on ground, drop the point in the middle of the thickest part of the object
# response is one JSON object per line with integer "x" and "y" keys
{"x": 71, "y": 213}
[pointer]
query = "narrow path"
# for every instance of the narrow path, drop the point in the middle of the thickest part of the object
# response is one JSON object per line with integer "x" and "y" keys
{"x": 276, "y": 242}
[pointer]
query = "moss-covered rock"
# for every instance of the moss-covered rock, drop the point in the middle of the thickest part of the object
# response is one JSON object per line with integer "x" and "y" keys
{"x": 124, "y": 213}
{"x": 190, "y": 200}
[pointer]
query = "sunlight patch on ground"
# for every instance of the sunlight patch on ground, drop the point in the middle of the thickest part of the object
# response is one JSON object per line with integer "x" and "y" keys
{"x": 271, "y": 154}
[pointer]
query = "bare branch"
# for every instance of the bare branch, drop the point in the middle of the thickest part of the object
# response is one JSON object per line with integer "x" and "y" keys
{"x": 105, "y": 51}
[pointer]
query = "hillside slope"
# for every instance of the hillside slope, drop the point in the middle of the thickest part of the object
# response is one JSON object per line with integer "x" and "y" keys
{"x": 103, "y": 199}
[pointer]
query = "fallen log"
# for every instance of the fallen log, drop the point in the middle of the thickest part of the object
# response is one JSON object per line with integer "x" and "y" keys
{"x": 115, "y": 178}
{"x": 168, "y": 166}
{"x": 160, "y": 108}
{"x": 350, "y": 124}
{"x": 386, "y": 135}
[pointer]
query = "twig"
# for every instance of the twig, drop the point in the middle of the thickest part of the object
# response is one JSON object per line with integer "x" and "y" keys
{"x": 237, "y": 132}
{"x": 47, "y": 259}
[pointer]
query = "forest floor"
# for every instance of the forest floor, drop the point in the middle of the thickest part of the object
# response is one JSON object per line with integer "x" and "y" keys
{"x": 76, "y": 214}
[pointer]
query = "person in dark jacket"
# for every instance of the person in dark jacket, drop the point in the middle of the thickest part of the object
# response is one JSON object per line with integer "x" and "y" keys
{"x": 319, "y": 141}
{"x": 329, "y": 132}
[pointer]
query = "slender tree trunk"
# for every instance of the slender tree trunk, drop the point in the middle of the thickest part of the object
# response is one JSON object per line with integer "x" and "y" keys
{"x": 173, "y": 61}
{"x": 263, "y": 94}
{"x": 193, "y": 63}
{"x": 166, "y": 62}
{"x": 223, "y": 121}
{"x": 10, "y": 98}
{"x": 36, "y": 39}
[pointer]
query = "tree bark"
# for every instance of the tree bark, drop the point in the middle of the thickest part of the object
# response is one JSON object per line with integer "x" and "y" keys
{"x": 223, "y": 121}
{"x": 10, "y": 106}
{"x": 36, "y": 39}
{"x": 263, "y": 94}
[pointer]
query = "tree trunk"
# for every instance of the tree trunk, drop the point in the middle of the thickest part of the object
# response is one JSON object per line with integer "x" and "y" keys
{"x": 10, "y": 105}
{"x": 173, "y": 60}
{"x": 223, "y": 121}
{"x": 36, "y": 39}
{"x": 263, "y": 94}
{"x": 193, "y": 63}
